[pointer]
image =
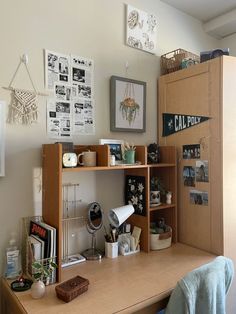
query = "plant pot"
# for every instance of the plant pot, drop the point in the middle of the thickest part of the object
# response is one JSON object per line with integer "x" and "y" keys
{"x": 37, "y": 289}
{"x": 130, "y": 156}
{"x": 155, "y": 197}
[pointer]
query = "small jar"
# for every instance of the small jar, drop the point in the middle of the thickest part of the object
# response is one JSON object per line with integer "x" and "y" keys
{"x": 112, "y": 160}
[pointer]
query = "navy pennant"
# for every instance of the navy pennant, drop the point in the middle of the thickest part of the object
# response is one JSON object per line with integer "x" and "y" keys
{"x": 174, "y": 122}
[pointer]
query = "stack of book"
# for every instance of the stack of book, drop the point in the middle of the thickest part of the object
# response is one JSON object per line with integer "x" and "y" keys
{"x": 42, "y": 245}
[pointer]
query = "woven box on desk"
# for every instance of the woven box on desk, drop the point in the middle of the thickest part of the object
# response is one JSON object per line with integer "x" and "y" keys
{"x": 70, "y": 289}
{"x": 171, "y": 61}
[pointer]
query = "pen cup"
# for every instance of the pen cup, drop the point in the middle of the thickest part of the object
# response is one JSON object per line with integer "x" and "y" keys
{"x": 111, "y": 249}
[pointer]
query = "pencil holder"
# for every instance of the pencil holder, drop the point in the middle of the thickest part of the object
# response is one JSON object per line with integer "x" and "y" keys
{"x": 111, "y": 249}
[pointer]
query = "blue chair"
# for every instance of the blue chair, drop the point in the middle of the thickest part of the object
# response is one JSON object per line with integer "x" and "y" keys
{"x": 203, "y": 290}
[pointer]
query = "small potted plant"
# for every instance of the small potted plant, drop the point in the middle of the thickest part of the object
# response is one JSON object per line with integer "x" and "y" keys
{"x": 41, "y": 273}
{"x": 156, "y": 190}
{"x": 128, "y": 152}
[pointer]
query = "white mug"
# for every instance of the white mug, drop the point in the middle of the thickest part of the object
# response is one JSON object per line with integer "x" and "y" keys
{"x": 88, "y": 159}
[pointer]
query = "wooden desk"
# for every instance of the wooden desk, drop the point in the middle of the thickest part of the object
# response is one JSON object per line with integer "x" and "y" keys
{"x": 136, "y": 283}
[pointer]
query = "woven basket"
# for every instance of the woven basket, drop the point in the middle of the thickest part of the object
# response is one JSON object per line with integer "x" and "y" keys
{"x": 171, "y": 61}
{"x": 70, "y": 289}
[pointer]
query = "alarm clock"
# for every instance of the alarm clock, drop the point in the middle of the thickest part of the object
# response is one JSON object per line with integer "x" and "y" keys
{"x": 69, "y": 160}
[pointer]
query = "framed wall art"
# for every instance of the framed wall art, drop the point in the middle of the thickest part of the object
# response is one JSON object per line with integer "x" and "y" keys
{"x": 141, "y": 29}
{"x": 2, "y": 138}
{"x": 127, "y": 105}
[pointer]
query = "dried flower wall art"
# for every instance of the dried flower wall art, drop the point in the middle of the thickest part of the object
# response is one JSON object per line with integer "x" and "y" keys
{"x": 128, "y": 105}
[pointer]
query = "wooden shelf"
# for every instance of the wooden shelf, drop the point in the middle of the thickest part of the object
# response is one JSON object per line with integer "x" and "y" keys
{"x": 161, "y": 165}
{"x": 164, "y": 206}
{"x": 79, "y": 169}
{"x": 53, "y": 178}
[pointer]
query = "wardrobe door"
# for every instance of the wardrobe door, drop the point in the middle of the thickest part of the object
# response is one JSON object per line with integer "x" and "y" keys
{"x": 196, "y": 92}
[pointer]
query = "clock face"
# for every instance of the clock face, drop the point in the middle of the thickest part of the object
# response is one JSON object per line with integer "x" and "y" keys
{"x": 69, "y": 160}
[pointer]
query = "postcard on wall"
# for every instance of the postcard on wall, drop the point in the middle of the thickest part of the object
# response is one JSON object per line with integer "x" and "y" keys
{"x": 202, "y": 171}
{"x": 141, "y": 30}
{"x": 57, "y": 69}
{"x": 198, "y": 197}
{"x": 62, "y": 92}
{"x": 189, "y": 176}
{"x": 83, "y": 116}
{"x": 58, "y": 118}
{"x": 82, "y": 76}
{"x": 191, "y": 151}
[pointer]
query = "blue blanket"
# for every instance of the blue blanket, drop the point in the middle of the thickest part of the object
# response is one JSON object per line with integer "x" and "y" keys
{"x": 203, "y": 290}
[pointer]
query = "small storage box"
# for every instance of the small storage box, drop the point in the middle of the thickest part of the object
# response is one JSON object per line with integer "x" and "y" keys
{"x": 171, "y": 61}
{"x": 161, "y": 241}
{"x": 70, "y": 289}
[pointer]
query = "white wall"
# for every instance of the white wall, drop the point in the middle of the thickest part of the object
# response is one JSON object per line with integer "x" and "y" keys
{"x": 93, "y": 29}
{"x": 229, "y": 42}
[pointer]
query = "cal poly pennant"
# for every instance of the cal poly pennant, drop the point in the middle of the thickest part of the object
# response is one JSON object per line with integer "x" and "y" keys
{"x": 174, "y": 122}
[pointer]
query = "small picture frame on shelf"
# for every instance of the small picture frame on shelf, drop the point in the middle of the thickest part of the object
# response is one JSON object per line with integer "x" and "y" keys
{"x": 115, "y": 148}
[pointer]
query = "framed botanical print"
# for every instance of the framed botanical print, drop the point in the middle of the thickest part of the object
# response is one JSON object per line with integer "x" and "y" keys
{"x": 127, "y": 105}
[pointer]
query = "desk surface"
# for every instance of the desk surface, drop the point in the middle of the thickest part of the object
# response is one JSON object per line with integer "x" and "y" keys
{"x": 122, "y": 285}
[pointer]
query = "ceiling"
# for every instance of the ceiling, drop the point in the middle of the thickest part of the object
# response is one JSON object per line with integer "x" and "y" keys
{"x": 218, "y": 16}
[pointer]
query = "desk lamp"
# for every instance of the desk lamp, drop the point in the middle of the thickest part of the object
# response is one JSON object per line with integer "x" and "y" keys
{"x": 118, "y": 215}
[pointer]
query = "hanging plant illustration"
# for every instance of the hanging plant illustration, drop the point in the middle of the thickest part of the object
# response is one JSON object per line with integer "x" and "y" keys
{"x": 128, "y": 106}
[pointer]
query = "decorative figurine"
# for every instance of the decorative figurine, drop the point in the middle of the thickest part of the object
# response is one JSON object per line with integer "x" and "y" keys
{"x": 153, "y": 153}
{"x": 168, "y": 197}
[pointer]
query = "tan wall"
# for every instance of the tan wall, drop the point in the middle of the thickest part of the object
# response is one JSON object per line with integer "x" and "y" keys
{"x": 92, "y": 29}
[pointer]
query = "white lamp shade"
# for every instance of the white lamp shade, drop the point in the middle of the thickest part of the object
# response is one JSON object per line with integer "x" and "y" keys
{"x": 118, "y": 215}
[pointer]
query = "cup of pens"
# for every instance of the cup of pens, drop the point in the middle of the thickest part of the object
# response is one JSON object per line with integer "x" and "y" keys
{"x": 111, "y": 244}
{"x": 111, "y": 249}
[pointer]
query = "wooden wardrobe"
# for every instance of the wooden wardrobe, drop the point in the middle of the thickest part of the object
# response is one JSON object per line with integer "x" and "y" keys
{"x": 207, "y": 89}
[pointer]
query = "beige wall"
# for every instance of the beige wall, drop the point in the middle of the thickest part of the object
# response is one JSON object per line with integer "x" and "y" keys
{"x": 229, "y": 42}
{"x": 93, "y": 29}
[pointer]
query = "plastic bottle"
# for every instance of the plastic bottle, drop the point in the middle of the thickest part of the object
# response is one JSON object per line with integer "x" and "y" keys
{"x": 13, "y": 263}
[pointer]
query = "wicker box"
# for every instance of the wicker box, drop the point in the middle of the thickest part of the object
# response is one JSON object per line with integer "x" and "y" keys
{"x": 70, "y": 289}
{"x": 161, "y": 241}
{"x": 171, "y": 61}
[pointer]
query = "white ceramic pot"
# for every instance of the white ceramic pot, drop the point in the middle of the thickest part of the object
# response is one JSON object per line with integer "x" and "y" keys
{"x": 155, "y": 197}
{"x": 37, "y": 289}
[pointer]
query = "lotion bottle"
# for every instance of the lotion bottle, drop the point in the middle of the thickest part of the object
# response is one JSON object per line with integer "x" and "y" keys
{"x": 13, "y": 263}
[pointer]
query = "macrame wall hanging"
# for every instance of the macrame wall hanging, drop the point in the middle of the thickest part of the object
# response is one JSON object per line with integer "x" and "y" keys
{"x": 23, "y": 107}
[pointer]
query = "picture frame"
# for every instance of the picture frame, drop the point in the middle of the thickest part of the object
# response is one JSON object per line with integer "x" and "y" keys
{"x": 127, "y": 105}
{"x": 115, "y": 147}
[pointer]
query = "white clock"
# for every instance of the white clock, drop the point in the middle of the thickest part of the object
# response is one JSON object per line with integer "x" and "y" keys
{"x": 69, "y": 160}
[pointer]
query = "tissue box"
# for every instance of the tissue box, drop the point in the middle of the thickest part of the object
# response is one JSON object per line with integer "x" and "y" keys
{"x": 70, "y": 289}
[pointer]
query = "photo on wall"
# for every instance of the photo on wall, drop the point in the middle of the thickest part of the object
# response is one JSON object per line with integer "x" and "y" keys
{"x": 202, "y": 171}
{"x": 191, "y": 151}
{"x": 189, "y": 176}
{"x": 198, "y": 197}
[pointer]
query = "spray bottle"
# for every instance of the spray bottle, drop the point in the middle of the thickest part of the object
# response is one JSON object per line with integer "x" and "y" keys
{"x": 13, "y": 259}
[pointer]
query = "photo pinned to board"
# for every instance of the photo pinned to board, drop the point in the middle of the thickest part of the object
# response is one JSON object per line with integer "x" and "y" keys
{"x": 191, "y": 151}
{"x": 198, "y": 197}
{"x": 189, "y": 176}
{"x": 202, "y": 171}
